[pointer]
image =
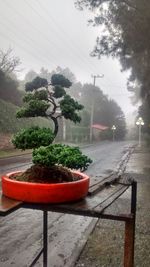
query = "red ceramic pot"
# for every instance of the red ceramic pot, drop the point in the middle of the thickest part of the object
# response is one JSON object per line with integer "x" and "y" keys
{"x": 45, "y": 193}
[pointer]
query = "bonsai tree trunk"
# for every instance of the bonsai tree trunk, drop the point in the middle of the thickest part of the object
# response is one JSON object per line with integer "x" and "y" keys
{"x": 55, "y": 121}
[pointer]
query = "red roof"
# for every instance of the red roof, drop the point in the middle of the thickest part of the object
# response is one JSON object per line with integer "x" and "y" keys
{"x": 100, "y": 127}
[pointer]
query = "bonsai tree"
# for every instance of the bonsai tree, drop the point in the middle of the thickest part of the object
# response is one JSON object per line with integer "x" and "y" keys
{"x": 52, "y": 102}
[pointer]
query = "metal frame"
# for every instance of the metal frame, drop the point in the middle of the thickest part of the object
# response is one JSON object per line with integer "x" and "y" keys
{"x": 8, "y": 206}
{"x": 129, "y": 220}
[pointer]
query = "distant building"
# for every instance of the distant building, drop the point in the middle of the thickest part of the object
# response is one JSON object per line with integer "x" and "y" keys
{"x": 97, "y": 128}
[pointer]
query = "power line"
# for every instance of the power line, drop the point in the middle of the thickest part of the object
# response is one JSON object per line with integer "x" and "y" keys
{"x": 41, "y": 33}
{"x": 32, "y": 25}
{"x": 29, "y": 41}
{"x": 47, "y": 21}
{"x": 62, "y": 30}
{"x": 5, "y": 36}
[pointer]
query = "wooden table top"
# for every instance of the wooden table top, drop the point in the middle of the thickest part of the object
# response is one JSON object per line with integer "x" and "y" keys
{"x": 102, "y": 193}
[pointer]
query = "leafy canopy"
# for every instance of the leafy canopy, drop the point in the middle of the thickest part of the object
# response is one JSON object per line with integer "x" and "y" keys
{"x": 32, "y": 137}
{"x": 67, "y": 156}
{"x": 50, "y": 100}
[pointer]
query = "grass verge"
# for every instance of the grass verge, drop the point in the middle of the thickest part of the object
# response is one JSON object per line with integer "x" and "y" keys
{"x": 13, "y": 152}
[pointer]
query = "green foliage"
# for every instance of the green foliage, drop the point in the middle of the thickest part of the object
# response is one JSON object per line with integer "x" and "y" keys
{"x": 28, "y": 97}
{"x": 58, "y": 79}
{"x": 59, "y": 91}
{"x": 36, "y": 84}
{"x": 68, "y": 107}
{"x": 66, "y": 72}
{"x": 37, "y": 104}
{"x": 39, "y": 95}
{"x": 39, "y": 101}
{"x": 34, "y": 109}
{"x": 33, "y": 137}
{"x": 67, "y": 156}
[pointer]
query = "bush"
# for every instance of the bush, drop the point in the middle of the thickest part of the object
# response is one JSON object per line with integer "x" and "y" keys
{"x": 67, "y": 156}
{"x": 33, "y": 137}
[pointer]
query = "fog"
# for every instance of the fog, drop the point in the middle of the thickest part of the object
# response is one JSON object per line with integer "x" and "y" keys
{"x": 54, "y": 33}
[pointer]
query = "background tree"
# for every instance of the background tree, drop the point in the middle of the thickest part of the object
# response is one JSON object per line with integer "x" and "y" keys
{"x": 30, "y": 75}
{"x": 105, "y": 111}
{"x": 44, "y": 73}
{"x": 126, "y": 36}
{"x": 67, "y": 73}
{"x": 9, "y": 89}
{"x": 8, "y": 62}
{"x": 8, "y": 80}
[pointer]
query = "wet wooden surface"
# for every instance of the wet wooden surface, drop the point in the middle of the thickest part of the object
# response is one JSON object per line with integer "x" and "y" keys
{"x": 8, "y": 205}
{"x": 100, "y": 196}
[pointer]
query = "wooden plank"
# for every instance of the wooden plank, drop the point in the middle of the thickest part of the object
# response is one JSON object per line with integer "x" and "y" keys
{"x": 94, "y": 189}
{"x": 97, "y": 179}
{"x": 8, "y": 205}
{"x": 111, "y": 198}
{"x": 90, "y": 203}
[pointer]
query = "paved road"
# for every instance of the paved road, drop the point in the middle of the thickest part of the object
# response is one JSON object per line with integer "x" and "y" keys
{"x": 21, "y": 232}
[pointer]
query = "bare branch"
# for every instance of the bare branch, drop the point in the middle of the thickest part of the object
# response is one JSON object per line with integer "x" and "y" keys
{"x": 9, "y": 63}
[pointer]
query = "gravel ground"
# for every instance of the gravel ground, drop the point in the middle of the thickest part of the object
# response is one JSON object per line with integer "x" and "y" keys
{"x": 105, "y": 245}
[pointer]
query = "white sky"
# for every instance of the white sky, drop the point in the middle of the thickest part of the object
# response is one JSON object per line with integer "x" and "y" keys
{"x": 53, "y": 33}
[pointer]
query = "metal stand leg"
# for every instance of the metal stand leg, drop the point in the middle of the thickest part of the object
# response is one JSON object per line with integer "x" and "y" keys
{"x": 45, "y": 243}
{"x": 45, "y": 239}
{"x": 130, "y": 231}
{"x": 129, "y": 243}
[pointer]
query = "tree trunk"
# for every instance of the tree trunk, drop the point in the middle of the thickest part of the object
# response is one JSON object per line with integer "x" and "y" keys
{"x": 55, "y": 120}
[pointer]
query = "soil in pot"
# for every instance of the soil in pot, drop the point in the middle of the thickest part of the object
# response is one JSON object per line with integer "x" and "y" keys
{"x": 40, "y": 174}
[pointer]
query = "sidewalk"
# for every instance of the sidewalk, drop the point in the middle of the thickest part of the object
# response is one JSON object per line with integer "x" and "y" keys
{"x": 105, "y": 245}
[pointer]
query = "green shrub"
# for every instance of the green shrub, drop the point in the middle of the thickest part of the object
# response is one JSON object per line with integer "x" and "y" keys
{"x": 33, "y": 137}
{"x": 67, "y": 156}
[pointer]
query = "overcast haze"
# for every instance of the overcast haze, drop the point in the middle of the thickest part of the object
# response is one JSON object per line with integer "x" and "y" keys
{"x": 53, "y": 33}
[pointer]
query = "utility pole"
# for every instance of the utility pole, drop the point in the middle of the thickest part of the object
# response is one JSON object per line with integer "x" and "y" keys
{"x": 92, "y": 107}
{"x": 96, "y": 76}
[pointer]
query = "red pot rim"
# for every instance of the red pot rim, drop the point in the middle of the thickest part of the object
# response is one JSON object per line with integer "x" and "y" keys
{"x": 46, "y": 192}
{"x": 6, "y": 177}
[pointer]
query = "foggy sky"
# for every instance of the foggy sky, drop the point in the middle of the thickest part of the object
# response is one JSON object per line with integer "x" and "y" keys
{"x": 53, "y": 33}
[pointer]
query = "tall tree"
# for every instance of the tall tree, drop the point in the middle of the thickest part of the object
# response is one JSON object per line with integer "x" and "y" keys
{"x": 105, "y": 111}
{"x": 126, "y": 36}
